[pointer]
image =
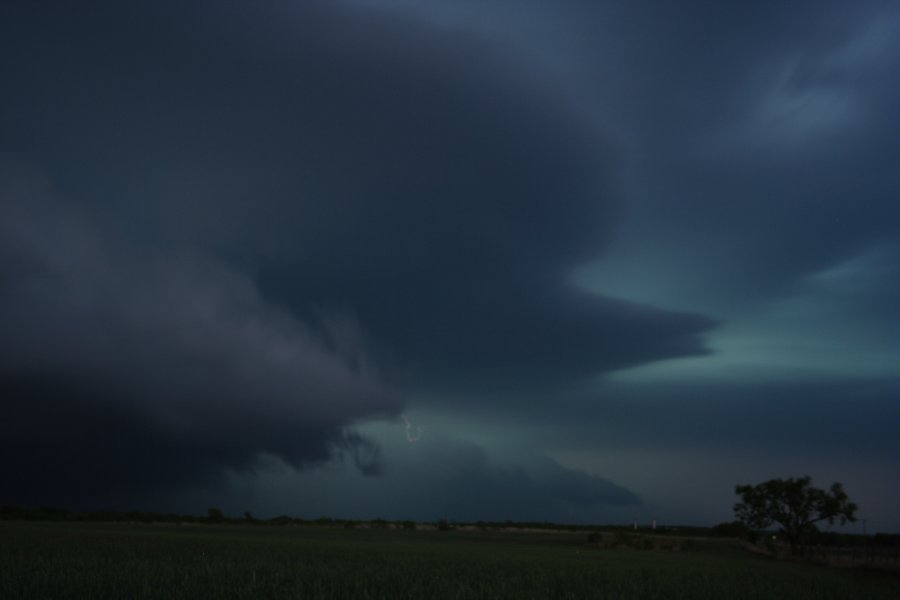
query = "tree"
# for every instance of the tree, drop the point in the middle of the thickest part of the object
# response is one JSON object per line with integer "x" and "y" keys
{"x": 794, "y": 504}
{"x": 735, "y": 529}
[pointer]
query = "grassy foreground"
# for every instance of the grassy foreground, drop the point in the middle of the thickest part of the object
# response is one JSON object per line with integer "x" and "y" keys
{"x": 91, "y": 560}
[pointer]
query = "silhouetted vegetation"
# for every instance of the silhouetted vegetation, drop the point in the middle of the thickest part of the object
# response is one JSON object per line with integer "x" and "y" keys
{"x": 794, "y": 505}
{"x": 734, "y": 529}
{"x": 215, "y": 515}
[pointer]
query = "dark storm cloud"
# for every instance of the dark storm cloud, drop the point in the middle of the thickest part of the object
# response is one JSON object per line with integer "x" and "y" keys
{"x": 468, "y": 482}
{"x": 225, "y": 175}
{"x": 123, "y": 371}
{"x": 358, "y": 162}
{"x": 846, "y": 419}
{"x": 767, "y": 135}
{"x": 446, "y": 478}
{"x": 761, "y": 137}
{"x": 253, "y": 200}
{"x": 761, "y": 143}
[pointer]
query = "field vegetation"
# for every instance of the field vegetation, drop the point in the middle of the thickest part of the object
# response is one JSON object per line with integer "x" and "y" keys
{"x": 74, "y": 560}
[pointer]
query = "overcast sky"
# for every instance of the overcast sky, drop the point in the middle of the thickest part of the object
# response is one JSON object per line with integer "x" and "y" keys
{"x": 475, "y": 259}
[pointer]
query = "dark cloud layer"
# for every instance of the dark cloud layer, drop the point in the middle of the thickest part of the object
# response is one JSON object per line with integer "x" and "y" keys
{"x": 445, "y": 478}
{"x": 398, "y": 176}
{"x": 761, "y": 138}
{"x": 232, "y": 230}
{"x": 125, "y": 371}
{"x": 472, "y": 486}
{"x": 767, "y": 158}
{"x": 838, "y": 418}
{"x": 226, "y": 174}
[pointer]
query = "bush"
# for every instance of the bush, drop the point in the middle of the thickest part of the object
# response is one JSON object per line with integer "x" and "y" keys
{"x": 734, "y": 529}
{"x": 215, "y": 515}
{"x": 443, "y": 525}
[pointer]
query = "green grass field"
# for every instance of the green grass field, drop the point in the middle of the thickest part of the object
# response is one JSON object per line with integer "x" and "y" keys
{"x": 96, "y": 561}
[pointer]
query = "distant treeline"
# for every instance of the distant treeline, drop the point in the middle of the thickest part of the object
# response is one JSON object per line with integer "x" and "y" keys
{"x": 216, "y": 516}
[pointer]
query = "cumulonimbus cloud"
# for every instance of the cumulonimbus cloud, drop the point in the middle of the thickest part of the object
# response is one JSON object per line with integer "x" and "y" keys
{"x": 225, "y": 179}
{"x": 124, "y": 368}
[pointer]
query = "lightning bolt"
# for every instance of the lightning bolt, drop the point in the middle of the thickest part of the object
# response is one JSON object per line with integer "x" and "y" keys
{"x": 410, "y": 436}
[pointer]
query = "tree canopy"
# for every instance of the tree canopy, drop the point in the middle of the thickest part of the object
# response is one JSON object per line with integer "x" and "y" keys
{"x": 794, "y": 504}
